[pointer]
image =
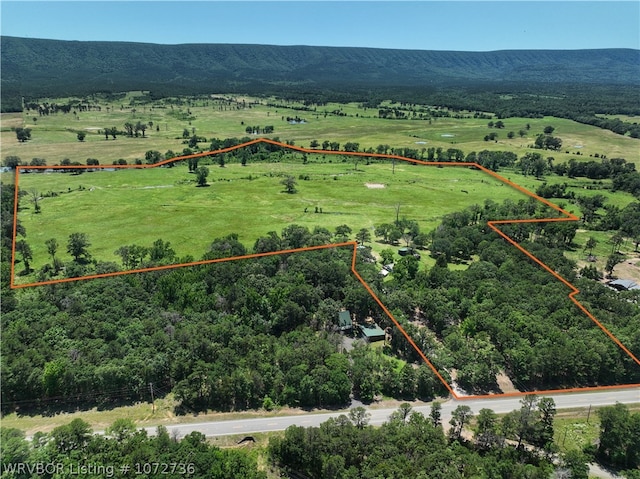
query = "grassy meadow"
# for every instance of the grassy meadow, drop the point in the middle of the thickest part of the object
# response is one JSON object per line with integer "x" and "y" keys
{"x": 138, "y": 206}
{"x": 54, "y": 136}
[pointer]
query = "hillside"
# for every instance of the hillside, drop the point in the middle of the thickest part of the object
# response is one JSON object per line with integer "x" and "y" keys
{"x": 36, "y": 67}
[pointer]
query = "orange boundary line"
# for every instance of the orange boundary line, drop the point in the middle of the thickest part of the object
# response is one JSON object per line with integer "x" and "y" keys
{"x": 492, "y": 224}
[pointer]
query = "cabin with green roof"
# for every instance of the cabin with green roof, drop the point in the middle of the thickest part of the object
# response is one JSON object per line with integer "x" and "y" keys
{"x": 371, "y": 331}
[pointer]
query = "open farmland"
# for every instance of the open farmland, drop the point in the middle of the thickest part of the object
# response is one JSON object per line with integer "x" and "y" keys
{"x": 54, "y": 136}
{"x": 138, "y": 206}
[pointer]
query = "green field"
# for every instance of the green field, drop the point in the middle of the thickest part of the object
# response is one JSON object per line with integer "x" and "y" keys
{"x": 54, "y": 136}
{"x": 143, "y": 206}
{"x": 138, "y": 206}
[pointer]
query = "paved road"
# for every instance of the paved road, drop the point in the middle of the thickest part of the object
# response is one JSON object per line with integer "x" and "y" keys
{"x": 378, "y": 416}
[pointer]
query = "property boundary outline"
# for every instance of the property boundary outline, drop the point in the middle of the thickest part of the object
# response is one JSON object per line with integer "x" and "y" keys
{"x": 492, "y": 224}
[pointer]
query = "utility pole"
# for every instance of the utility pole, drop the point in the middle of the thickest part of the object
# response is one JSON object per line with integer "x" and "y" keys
{"x": 588, "y": 413}
{"x": 153, "y": 401}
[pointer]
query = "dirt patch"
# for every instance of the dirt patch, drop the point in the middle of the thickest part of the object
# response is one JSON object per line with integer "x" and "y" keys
{"x": 629, "y": 269}
{"x": 504, "y": 383}
{"x": 375, "y": 185}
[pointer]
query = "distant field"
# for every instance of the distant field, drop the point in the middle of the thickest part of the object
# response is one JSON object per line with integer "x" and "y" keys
{"x": 138, "y": 206}
{"x": 54, "y": 136}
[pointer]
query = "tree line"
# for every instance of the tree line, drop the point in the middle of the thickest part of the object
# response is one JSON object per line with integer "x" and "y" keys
{"x": 411, "y": 444}
{"x": 516, "y": 445}
{"x": 74, "y": 450}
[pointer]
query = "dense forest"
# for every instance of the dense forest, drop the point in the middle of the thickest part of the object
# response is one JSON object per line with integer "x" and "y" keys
{"x": 411, "y": 444}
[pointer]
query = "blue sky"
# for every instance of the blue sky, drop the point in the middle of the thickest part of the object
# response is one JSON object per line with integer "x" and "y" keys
{"x": 422, "y": 25}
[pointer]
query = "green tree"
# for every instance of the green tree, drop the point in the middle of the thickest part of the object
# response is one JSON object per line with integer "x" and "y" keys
{"x": 402, "y": 413}
{"x": 193, "y": 163}
{"x": 15, "y": 449}
{"x": 613, "y": 260}
{"x": 152, "y": 157}
{"x": 351, "y": 146}
{"x": 140, "y": 126}
{"x": 132, "y": 256}
{"x": 630, "y": 222}
{"x": 359, "y": 416}
{"x": 23, "y": 134}
{"x": 11, "y": 161}
{"x": 289, "y": 184}
{"x": 52, "y": 248}
{"x": 619, "y": 440}
{"x": 201, "y": 175}
{"x": 295, "y": 236}
{"x": 342, "y": 233}
{"x": 71, "y": 437}
{"x": 77, "y": 246}
{"x": 161, "y": 251}
{"x": 53, "y": 376}
{"x": 577, "y": 464}
{"x": 383, "y": 231}
{"x": 487, "y": 429}
{"x": 121, "y": 429}
{"x": 520, "y": 423}
{"x": 459, "y": 417}
{"x": 363, "y": 236}
{"x": 34, "y": 195}
{"x": 24, "y": 250}
{"x": 128, "y": 128}
{"x": 436, "y": 414}
{"x": 386, "y": 256}
{"x": 81, "y": 135}
{"x": 590, "y": 244}
{"x": 544, "y": 430}
{"x": 406, "y": 268}
{"x": 616, "y": 241}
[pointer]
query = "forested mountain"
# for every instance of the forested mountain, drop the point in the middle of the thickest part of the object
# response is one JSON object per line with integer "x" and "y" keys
{"x": 37, "y": 67}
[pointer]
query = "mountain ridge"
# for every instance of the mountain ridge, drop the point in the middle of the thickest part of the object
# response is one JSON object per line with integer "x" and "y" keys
{"x": 40, "y": 67}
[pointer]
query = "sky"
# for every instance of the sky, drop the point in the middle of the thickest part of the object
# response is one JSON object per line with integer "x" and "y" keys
{"x": 421, "y": 25}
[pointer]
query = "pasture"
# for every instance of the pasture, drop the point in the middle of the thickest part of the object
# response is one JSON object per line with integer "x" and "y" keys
{"x": 222, "y": 116}
{"x": 138, "y": 206}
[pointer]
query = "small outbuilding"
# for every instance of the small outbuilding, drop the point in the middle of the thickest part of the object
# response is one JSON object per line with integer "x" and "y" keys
{"x": 344, "y": 320}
